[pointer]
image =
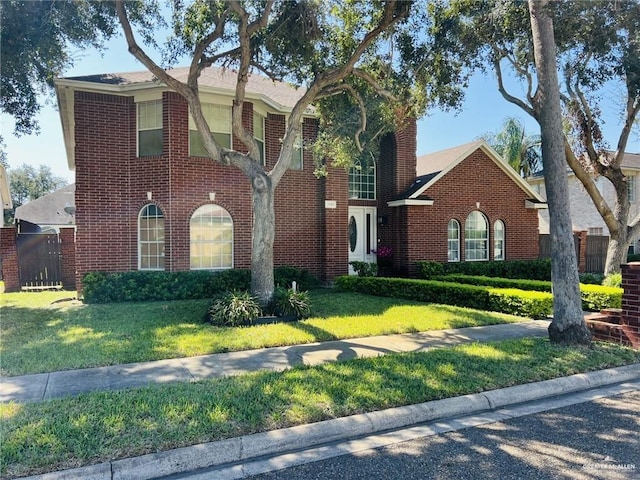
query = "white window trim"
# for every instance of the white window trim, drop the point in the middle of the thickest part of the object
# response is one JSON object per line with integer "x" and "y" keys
{"x": 486, "y": 239}
{"x": 139, "y": 129}
{"x": 500, "y": 239}
{"x": 195, "y": 128}
{"x": 264, "y": 138}
{"x": 232, "y": 242}
{"x": 631, "y": 188}
{"x": 148, "y": 242}
{"x": 457, "y": 240}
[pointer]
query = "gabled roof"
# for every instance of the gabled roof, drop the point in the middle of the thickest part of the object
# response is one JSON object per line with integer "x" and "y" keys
{"x": 5, "y": 194}
{"x": 56, "y": 208}
{"x": 432, "y": 167}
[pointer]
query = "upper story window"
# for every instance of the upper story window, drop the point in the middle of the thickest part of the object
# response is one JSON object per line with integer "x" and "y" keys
{"x": 453, "y": 241}
{"x": 362, "y": 181}
{"x": 258, "y": 134}
{"x": 150, "y": 128}
{"x": 631, "y": 188}
{"x": 476, "y": 237}
{"x": 151, "y": 238}
{"x": 297, "y": 154}
{"x": 498, "y": 240}
{"x": 219, "y": 119}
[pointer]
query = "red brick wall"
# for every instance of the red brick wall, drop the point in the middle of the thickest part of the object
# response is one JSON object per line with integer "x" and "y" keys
{"x": 475, "y": 180}
{"x": 112, "y": 185}
{"x": 630, "y": 320}
{"x": 9, "y": 259}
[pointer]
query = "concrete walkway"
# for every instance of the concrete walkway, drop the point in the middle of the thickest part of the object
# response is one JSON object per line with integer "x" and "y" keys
{"x": 43, "y": 386}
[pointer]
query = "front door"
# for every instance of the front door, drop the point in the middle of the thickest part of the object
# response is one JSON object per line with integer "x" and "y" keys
{"x": 362, "y": 235}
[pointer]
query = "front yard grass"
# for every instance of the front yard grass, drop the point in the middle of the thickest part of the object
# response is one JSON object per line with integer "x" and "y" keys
{"x": 96, "y": 427}
{"x": 41, "y": 336}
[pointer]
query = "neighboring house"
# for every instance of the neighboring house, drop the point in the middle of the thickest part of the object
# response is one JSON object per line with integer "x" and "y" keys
{"x": 584, "y": 215}
{"x": 148, "y": 198}
{"x": 5, "y": 194}
{"x": 48, "y": 213}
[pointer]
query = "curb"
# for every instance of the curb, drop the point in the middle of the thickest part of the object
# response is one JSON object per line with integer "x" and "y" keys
{"x": 248, "y": 447}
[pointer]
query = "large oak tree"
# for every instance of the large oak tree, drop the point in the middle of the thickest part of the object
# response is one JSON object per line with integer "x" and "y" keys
{"x": 328, "y": 48}
{"x": 598, "y": 46}
{"x": 568, "y": 324}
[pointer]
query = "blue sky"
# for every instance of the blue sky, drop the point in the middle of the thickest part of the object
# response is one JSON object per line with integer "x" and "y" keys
{"x": 484, "y": 111}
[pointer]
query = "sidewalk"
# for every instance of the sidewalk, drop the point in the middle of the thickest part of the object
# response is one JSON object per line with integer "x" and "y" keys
{"x": 44, "y": 386}
{"x": 241, "y": 457}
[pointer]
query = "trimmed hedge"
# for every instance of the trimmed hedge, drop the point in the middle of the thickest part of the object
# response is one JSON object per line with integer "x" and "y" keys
{"x": 598, "y": 297}
{"x": 517, "y": 302}
{"x": 538, "y": 269}
{"x": 103, "y": 287}
{"x": 594, "y": 297}
{"x": 535, "y": 285}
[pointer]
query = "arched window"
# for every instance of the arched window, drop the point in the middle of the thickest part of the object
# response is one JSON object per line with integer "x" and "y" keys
{"x": 476, "y": 237}
{"x": 453, "y": 241}
{"x": 211, "y": 234}
{"x": 151, "y": 238}
{"x": 498, "y": 240}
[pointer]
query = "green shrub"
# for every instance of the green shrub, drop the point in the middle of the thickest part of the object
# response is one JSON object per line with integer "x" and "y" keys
{"x": 594, "y": 297}
{"x": 102, "y": 287}
{"x": 537, "y": 269}
{"x": 514, "y": 301}
{"x": 285, "y": 275}
{"x": 613, "y": 280}
{"x": 536, "y": 285}
{"x": 234, "y": 309}
{"x": 365, "y": 269}
{"x": 598, "y": 297}
{"x": 291, "y": 303}
{"x": 591, "y": 278}
{"x": 633, "y": 257}
{"x": 429, "y": 270}
{"x": 530, "y": 304}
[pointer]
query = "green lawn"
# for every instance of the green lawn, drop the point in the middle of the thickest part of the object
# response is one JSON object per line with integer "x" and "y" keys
{"x": 40, "y": 336}
{"x": 95, "y": 427}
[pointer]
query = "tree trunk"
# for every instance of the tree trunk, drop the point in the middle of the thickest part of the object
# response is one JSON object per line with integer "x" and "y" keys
{"x": 263, "y": 235}
{"x": 616, "y": 253}
{"x": 568, "y": 325}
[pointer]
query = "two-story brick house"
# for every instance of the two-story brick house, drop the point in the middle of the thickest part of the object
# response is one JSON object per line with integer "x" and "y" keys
{"x": 148, "y": 198}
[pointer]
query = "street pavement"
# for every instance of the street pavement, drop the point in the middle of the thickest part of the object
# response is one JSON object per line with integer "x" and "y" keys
{"x": 597, "y": 439}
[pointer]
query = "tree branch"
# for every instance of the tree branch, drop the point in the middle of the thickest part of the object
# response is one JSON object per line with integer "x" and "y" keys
{"x": 383, "y": 92}
{"x": 394, "y": 12}
{"x": 243, "y": 78}
{"x": 506, "y": 95}
{"x": 592, "y": 190}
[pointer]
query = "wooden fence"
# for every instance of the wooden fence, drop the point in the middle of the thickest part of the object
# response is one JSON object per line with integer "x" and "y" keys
{"x": 591, "y": 255}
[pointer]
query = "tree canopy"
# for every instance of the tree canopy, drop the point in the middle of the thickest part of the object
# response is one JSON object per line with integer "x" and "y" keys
{"x": 598, "y": 47}
{"x": 333, "y": 50}
{"x": 38, "y": 38}
{"x": 28, "y": 183}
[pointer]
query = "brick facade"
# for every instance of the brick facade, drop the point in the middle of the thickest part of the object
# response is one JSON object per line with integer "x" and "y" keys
{"x": 476, "y": 183}
{"x": 113, "y": 184}
{"x": 9, "y": 259}
{"x": 621, "y": 325}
